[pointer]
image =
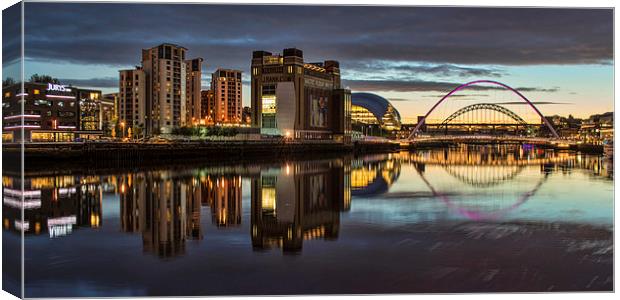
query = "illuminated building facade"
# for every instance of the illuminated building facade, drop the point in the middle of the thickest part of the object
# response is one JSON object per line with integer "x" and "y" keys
{"x": 207, "y": 107}
{"x": 132, "y": 99}
{"x": 193, "y": 96}
{"x": 298, "y": 202}
{"x": 90, "y": 109}
{"x": 226, "y": 87}
{"x": 299, "y": 100}
{"x": 163, "y": 93}
{"x": 373, "y": 110}
{"x": 164, "y": 68}
{"x": 109, "y": 111}
{"x": 52, "y": 112}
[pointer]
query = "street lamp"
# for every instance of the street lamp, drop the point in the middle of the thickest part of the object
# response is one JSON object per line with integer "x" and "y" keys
{"x": 123, "y": 129}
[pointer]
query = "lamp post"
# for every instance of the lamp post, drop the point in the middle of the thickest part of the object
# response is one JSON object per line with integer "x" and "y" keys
{"x": 123, "y": 129}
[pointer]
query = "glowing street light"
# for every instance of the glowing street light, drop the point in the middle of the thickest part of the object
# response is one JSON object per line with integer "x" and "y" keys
{"x": 123, "y": 128}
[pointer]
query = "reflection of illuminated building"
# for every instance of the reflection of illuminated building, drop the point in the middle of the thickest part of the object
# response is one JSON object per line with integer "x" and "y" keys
{"x": 166, "y": 209}
{"x": 298, "y": 202}
{"x": 374, "y": 175}
{"x": 224, "y": 197}
{"x": 156, "y": 206}
{"x": 164, "y": 233}
{"x": 194, "y": 204}
{"x": 53, "y": 205}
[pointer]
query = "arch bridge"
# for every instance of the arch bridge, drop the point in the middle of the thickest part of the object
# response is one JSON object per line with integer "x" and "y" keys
{"x": 482, "y": 115}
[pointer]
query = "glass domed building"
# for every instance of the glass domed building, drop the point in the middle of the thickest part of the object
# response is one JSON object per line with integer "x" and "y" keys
{"x": 371, "y": 109}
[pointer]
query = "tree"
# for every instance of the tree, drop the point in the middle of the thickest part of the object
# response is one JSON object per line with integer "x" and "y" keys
{"x": 8, "y": 81}
{"x": 43, "y": 79}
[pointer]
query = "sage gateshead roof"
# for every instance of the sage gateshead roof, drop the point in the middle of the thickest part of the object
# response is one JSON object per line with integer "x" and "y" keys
{"x": 368, "y": 108}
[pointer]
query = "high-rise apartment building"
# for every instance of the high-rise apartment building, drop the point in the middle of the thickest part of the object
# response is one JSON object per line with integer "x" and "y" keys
{"x": 299, "y": 100}
{"x": 164, "y": 67}
{"x": 163, "y": 93}
{"x": 226, "y": 87}
{"x": 207, "y": 106}
{"x": 132, "y": 99}
{"x": 193, "y": 96}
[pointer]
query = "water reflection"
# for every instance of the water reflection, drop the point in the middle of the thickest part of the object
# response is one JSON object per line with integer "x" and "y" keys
{"x": 395, "y": 204}
{"x": 374, "y": 174}
{"x": 446, "y": 211}
{"x": 297, "y": 202}
{"x": 289, "y": 202}
{"x": 54, "y": 205}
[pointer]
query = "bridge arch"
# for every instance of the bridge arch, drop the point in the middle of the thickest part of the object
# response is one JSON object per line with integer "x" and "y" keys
{"x": 487, "y": 106}
{"x": 462, "y": 86}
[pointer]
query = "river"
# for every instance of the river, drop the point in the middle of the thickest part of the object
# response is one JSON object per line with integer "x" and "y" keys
{"x": 495, "y": 218}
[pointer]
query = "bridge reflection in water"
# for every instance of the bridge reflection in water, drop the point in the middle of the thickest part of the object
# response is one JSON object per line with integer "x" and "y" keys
{"x": 289, "y": 203}
{"x": 481, "y": 171}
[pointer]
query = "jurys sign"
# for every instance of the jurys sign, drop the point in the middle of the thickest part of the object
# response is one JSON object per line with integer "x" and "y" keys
{"x": 57, "y": 87}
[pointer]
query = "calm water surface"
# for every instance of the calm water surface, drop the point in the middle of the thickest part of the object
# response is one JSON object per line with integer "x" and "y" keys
{"x": 463, "y": 219}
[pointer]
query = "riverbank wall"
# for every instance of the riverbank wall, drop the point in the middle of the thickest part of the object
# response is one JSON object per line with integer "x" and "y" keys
{"x": 39, "y": 155}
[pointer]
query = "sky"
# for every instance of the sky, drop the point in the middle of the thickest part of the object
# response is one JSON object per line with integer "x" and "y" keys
{"x": 561, "y": 59}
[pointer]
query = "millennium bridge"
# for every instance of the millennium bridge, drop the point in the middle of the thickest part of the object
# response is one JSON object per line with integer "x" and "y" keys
{"x": 489, "y": 123}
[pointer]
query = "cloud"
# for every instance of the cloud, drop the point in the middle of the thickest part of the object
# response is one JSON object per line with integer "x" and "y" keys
{"x": 407, "y": 70}
{"x": 104, "y": 82}
{"x": 11, "y": 35}
{"x": 534, "y": 102}
{"x": 457, "y": 95}
{"x": 424, "y": 86}
{"x": 225, "y": 35}
{"x": 537, "y": 89}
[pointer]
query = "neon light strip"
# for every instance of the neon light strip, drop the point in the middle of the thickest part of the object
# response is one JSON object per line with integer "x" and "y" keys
{"x": 66, "y": 191}
{"x": 19, "y": 116}
{"x": 22, "y": 94}
{"x": 24, "y": 126}
{"x": 62, "y": 221}
{"x": 66, "y": 127}
{"x": 19, "y": 225}
{"x": 19, "y": 204}
{"x": 58, "y": 96}
{"x": 24, "y": 193}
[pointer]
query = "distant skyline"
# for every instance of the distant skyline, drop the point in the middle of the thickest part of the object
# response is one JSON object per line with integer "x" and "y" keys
{"x": 560, "y": 58}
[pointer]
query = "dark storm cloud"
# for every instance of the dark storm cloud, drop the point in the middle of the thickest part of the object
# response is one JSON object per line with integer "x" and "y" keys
{"x": 225, "y": 35}
{"x": 11, "y": 35}
{"x": 104, "y": 82}
{"x": 412, "y": 71}
{"x": 425, "y": 86}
